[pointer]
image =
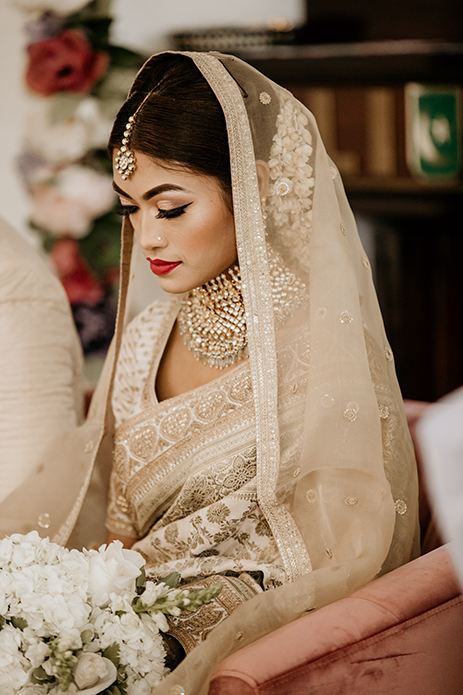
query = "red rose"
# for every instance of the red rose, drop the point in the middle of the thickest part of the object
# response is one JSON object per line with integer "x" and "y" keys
{"x": 65, "y": 63}
{"x": 76, "y": 277}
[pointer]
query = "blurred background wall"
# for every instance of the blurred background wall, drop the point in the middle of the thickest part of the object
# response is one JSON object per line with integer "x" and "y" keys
{"x": 354, "y": 64}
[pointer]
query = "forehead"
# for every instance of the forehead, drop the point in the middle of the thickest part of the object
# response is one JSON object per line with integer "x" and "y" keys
{"x": 150, "y": 173}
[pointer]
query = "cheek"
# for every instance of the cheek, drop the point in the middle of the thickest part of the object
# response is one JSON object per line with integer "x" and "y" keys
{"x": 214, "y": 234}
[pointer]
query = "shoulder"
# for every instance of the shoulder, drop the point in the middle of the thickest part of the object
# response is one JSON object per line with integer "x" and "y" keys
{"x": 145, "y": 327}
{"x": 24, "y": 276}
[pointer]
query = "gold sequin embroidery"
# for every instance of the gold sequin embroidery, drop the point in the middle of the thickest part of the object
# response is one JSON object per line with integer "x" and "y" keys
{"x": 265, "y": 98}
{"x": 400, "y": 507}
{"x": 351, "y": 411}
{"x": 346, "y": 317}
{"x": 383, "y": 412}
{"x": 311, "y": 496}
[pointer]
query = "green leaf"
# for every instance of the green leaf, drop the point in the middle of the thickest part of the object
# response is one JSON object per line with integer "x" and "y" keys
{"x": 124, "y": 58}
{"x": 113, "y": 653}
{"x": 39, "y": 676}
{"x": 18, "y": 622}
{"x": 172, "y": 580}
{"x": 141, "y": 581}
{"x": 86, "y": 636}
{"x": 101, "y": 247}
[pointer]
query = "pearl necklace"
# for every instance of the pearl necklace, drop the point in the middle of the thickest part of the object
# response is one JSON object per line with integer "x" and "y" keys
{"x": 212, "y": 317}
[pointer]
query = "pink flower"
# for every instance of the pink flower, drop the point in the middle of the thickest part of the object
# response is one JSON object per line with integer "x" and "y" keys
{"x": 66, "y": 62}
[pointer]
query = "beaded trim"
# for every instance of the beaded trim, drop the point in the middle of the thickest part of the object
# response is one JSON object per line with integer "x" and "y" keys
{"x": 124, "y": 162}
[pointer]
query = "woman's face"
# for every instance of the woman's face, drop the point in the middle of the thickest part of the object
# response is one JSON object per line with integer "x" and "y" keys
{"x": 182, "y": 223}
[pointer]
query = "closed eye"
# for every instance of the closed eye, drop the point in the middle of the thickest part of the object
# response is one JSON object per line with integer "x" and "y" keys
{"x": 170, "y": 214}
{"x": 126, "y": 209}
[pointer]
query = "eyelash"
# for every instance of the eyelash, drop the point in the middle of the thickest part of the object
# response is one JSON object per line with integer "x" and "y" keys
{"x": 170, "y": 214}
{"x": 126, "y": 209}
{"x": 162, "y": 214}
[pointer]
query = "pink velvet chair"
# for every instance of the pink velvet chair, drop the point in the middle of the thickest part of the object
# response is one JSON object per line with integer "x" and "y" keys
{"x": 401, "y": 634}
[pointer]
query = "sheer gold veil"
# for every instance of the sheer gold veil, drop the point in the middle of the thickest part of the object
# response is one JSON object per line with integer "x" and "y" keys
{"x": 339, "y": 494}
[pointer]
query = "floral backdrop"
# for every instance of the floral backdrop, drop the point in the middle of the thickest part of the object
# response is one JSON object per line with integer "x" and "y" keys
{"x": 77, "y": 81}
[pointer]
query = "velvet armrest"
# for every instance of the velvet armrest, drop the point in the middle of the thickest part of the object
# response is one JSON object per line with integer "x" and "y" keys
{"x": 398, "y": 631}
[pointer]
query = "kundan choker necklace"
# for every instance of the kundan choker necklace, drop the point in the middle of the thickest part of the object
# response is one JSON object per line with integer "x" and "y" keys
{"x": 212, "y": 317}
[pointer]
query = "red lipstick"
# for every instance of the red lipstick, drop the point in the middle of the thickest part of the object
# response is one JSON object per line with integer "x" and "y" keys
{"x": 159, "y": 267}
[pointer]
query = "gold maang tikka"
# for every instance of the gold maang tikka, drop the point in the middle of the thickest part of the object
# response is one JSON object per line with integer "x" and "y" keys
{"x": 124, "y": 162}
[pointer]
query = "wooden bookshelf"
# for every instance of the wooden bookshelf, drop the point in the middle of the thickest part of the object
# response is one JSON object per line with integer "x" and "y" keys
{"x": 356, "y": 92}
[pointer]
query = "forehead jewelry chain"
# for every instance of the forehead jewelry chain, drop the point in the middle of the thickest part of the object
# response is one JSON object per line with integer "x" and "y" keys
{"x": 124, "y": 162}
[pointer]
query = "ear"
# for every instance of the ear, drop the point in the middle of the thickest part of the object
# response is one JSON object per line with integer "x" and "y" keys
{"x": 263, "y": 177}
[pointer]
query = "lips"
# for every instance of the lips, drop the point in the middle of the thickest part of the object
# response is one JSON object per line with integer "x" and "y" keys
{"x": 159, "y": 267}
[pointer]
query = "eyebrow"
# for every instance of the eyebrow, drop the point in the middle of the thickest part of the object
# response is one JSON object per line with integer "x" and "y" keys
{"x": 162, "y": 188}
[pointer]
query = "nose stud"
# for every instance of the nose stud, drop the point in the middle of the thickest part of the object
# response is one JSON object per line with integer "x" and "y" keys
{"x": 159, "y": 238}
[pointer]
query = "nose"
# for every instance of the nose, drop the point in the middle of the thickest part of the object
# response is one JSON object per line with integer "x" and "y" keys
{"x": 148, "y": 234}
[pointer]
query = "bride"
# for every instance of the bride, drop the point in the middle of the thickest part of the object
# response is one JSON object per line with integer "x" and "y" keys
{"x": 256, "y": 425}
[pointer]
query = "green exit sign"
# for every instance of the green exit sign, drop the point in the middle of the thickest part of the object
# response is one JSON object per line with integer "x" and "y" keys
{"x": 433, "y": 130}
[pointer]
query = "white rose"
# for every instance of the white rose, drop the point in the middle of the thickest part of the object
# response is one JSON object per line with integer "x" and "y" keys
{"x": 66, "y": 140}
{"x": 141, "y": 687}
{"x": 93, "y": 673}
{"x": 67, "y": 202}
{"x": 113, "y": 569}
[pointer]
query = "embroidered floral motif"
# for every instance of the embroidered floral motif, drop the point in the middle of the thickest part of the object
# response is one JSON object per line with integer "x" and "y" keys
{"x": 311, "y": 496}
{"x": 217, "y": 513}
{"x": 290, "y": 170}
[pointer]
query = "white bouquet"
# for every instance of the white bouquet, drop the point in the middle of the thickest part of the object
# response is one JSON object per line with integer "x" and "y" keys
{"x": 83, "y": 622}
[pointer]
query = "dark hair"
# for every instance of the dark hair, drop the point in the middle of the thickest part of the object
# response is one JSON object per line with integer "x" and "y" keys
{"x": 181, "y": 121}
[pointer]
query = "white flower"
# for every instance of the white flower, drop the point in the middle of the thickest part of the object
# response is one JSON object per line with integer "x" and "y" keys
{"x": 68, "y": 140}
{"x": 60, "y": 7}
{"x": 92, "y": 670}
{"x": 113, "y": 569}
{"x": 36, "y": 652}
{"x": 154, "y": 591}
{"x": 67, "y": 203}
